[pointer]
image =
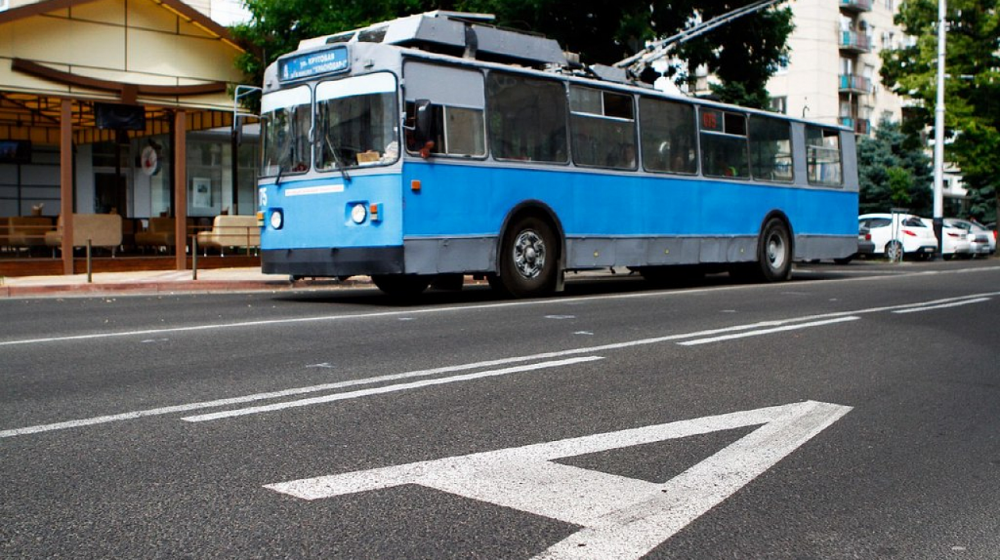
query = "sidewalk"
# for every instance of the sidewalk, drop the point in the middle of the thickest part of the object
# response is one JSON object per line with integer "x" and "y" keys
{"x": 159, "y": 281}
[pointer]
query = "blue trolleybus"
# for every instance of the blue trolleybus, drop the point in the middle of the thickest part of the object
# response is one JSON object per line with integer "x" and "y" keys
{"x": 435, "y": 146}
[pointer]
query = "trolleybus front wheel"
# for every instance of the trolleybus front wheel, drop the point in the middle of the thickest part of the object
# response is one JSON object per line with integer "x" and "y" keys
{"x": 528, "y": 259}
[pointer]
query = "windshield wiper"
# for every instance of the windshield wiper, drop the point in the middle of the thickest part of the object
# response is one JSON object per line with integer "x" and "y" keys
{"x": 336, "y": 158}
{"x": 285, "y": 159}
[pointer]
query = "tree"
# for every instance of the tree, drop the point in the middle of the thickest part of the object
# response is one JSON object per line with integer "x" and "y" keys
{"x": 972, "y": 90}
{"x": 893, "y": 172}
{"x": 743, "y": 55}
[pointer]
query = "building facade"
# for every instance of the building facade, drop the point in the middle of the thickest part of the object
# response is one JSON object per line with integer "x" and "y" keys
{"x": 119, "y": 107}
{"x": 833, "y": 69}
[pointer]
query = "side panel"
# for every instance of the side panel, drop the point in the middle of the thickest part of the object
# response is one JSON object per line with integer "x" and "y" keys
{"x": 614, "y": 219}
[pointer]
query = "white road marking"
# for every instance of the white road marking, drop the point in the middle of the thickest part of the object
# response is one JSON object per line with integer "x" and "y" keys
{"x": 386, "y": 389}
{"x": 560, "y": 316}
{"x": 420, "y": 373}
{"x": 621, "y": 517}
{"x": 767, "y": 331}
{"x": 561, "y": 300}
{"x": 267, "y": 396}
{"x": 942, "y": 306}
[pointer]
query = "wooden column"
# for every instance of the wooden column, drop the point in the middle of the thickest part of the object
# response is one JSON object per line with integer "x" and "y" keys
{"x": 180, "y": 188}
{"x": 66, "y": 182}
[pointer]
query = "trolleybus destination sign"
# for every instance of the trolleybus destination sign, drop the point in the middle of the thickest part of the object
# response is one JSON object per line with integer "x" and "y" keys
{"x": 313, "y": 64}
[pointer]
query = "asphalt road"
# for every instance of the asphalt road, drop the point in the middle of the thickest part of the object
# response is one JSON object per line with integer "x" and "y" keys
{"x": 851, "y": 413}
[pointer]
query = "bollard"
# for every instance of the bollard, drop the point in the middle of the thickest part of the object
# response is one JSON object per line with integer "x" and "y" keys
{"x": 194, "y": 257}
{"x": 90, "y": 268}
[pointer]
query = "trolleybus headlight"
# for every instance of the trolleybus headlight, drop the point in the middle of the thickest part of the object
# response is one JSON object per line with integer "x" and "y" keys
{"x": 359, "y": 213}
{"x": 277, "y": 220}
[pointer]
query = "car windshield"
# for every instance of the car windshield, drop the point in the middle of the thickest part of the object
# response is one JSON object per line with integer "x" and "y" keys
{"x": 356, "y": 122}
{"x": 285, "y": 120}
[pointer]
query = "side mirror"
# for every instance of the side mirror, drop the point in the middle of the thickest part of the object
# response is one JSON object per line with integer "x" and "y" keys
{"x": 423, "y": 122}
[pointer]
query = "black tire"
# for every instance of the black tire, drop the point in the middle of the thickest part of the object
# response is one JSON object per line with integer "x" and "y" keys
{"x": 528, "y": 259}
{"x": 402, "y": 285}
{"x": 774, "y": 252}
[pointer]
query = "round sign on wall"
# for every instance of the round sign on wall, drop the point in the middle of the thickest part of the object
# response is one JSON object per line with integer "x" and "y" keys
{"x": 150, "y": 161}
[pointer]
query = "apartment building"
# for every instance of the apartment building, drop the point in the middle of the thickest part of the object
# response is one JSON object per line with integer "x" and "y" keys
{"x": 833, "y": 69}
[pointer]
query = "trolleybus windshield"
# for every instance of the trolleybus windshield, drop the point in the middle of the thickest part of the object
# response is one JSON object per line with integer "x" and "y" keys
{"x": 285, "y": 121}
{"x": 357, "y": 122}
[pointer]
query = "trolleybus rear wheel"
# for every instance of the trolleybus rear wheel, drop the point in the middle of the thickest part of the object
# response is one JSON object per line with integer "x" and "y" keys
{"x": 774, "y": 253}
{"x": 528, "y": 258}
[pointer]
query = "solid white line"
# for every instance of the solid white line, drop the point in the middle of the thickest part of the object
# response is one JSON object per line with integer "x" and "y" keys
{"x": 427, "y": 372}
{"x": 257, "y": 397}
{"x": 387, "y": 389}
{"x": 354, "y": 382}
{"x": 942, "y": 306}
{"x": 488, "y": 307}
{"x": 767, "y": 331}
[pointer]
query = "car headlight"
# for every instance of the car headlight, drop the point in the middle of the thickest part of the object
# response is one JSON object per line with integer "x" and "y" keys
{"x": 277, "y": 219}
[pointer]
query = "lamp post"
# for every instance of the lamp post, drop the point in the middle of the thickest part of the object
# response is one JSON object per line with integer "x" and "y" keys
{"x": 939, "y": 129}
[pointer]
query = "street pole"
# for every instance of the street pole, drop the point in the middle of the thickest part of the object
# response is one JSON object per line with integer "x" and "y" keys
{"x": 939, "y": 129}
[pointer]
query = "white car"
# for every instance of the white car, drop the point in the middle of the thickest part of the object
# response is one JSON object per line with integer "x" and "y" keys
{"x": 981, "y": 238}
{"x": 954, "y": 241}
{"x": 897, "y": 234}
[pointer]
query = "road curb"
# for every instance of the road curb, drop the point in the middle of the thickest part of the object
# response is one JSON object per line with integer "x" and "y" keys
{"x": 181, "y": 286}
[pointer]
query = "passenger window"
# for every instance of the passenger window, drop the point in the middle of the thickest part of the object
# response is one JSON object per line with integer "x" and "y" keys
{"x": 457, "y": 103}
{"x": 823, "y": 156}
{"x": 527, "y": 118}
{"x": 603, "y": 128}
{"x": 770, "y": 149}
{"x": 724, "y": 144}
{"x": 458, "y": 131}
{"x": 669, "y": 141}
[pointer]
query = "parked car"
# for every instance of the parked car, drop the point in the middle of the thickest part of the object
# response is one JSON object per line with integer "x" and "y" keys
{"x": 954, "y": 241}
{"x": 982, "y": 239}
{"x": 865, "y": 246}
{"x": 896, "y": 235}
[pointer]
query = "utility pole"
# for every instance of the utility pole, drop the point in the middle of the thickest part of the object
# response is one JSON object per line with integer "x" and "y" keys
{"x": 939, "y": 129}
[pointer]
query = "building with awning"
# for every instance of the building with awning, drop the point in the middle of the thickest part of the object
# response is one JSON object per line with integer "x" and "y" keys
{"x": 118, "y": 107}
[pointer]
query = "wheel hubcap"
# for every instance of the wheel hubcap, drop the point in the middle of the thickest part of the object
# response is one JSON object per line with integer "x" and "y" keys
{"x": 776, "y": 251}
{"x": 529, "y": 254}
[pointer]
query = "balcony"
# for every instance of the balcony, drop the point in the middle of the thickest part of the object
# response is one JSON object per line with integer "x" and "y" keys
{"x": 851, "y": 41}
{"x": 860, "y": 126}
{"x": 850, "y": 83}
{"x": 856, "y": 6}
